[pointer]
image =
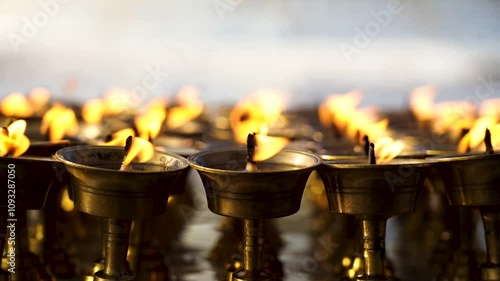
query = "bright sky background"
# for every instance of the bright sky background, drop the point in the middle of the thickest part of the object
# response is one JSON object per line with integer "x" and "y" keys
{"x": 229, "y": 48}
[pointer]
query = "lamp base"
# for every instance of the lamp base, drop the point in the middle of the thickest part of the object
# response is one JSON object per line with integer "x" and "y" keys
{"x": 373, "y": 278}
{"x": 102, "y": 276}
{"x": 489, "y": 273}
{"x": 242, "y": 275}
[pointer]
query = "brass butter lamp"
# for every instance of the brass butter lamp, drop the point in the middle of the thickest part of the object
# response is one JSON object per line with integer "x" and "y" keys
{"x": 34, "y": 177}
{"x": 274, "y": 191}
{"x": 373, "y": 193}
{"x": 473, "y": 180}
{"x": 99, "y": 188}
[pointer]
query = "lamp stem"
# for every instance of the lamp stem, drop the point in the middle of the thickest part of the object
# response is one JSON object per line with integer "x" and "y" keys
{"x": 490, "y": 270}
{"x": 253, "y": 252}
{"x": 491, "y": 221}
{"x": 117, "y": 234}
{"x": 254, "y": 244}
{"x": 136, "y": 239}
{"x": 374, "y": 247}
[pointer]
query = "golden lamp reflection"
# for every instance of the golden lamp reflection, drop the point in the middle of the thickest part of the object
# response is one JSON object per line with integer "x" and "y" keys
{"x": 59, "y": 121}
{"x": 13, "y": 142}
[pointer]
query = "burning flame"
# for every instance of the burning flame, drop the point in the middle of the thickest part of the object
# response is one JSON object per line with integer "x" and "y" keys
{"x": 140, "y": 150}
{"x": 337, "y": 108}
{"x": 387, "y": 149}
{"x": 490, "y": 107}
{"x": 475, "y": 137}
{"x": 256, "y": 114}
{"x": 149, "y": 124}
{"x": 266, "y": 146}
{"x": 422, "y": 102}
{"x": 495, "y": 136}
{"x": 342, "y": 111}
{"x": 453, "y": 116}
{"x": 39, "y": 98}
{"x": 93, "y": 111}
{"x": 59, "y": 121}
{"x": 117, "y": 101}
{"x": 188, "y": 107}
{"x": 13, "y": 142}
{"x": 119, "y": 138}
{"x": 16, "y": 105}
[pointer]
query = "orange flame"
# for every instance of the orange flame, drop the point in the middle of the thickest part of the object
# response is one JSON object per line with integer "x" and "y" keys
{"x": 39, "y": 98}
{"x": 256, "y": 114}
{"x": 119, "y": 138}
{"x": 342, "y": 110}
{"x": 387, "y": 149}
{"x": 93, "y": 111}
{"x": 337, "y": 108}
{"x": 149, "y": 124}
{"x": 422, "y": 102}
{"x": 495, "y": 137}
{"x": 453, "y": 116}
{"x": 189, "y": 106}
{"x": 475, "y": 137}
{"x": 267, "y": 146}
{"x": 140, "y": 150}
{"x": 490, "y": 107}
{"x": 117, "y": 101}
{"x": 16, "y": 105}
{"x": 59, "y": 121}
{"x": 13, "y": 142}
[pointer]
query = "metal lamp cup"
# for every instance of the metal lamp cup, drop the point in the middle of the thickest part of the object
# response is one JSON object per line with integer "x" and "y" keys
{"x": 473, "y": 180}
{"x": 272, "y": 192}
{"x": 100, "y": 188}
{"x": 373, "y": 193}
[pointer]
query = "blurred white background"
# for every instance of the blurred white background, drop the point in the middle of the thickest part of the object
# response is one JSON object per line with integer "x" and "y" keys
{"x": 229, "y": 48}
